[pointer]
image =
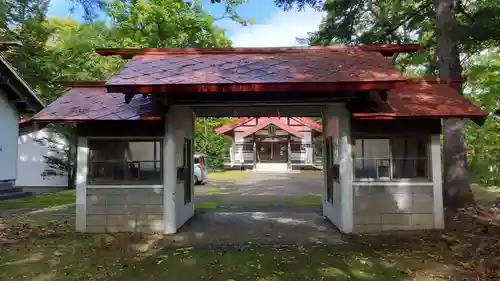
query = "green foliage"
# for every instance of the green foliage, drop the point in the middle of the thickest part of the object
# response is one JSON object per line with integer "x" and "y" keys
{"x": 56, "y": 50}
{"x": 21, "y": 22}
{"x": 165, "y": 23}
{"x": 71, "y": 50}
{"x": 483, "y": 143}
{"x": 215, "y": 146}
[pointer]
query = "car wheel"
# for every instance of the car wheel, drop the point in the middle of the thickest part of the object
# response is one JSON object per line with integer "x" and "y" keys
{"x": 195, "y": 180}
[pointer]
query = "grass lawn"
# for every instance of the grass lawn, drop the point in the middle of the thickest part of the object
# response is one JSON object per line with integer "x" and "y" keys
{"x": 40, "y": 247}
{"x": 209, "y": 204}
{"x": 207, "y": 190}
{"x": 307, "y": 200}
{"x": 69, "y": 256}
{"x": 43, "y": 200}
{"x": 227, "y": 175}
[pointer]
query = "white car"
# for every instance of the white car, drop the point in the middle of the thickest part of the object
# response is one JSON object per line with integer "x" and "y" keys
{"x": 200, "y": 169}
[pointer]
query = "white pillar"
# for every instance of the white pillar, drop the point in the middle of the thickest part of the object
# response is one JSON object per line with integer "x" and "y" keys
{"x": 169, "y": 175}
{"x": 346, "y": 170}
{"x": 81, "y": 184}
{"x": 324, "y": 121}
{"x": 307, "y": 139}
{"x": 437, "y": 181}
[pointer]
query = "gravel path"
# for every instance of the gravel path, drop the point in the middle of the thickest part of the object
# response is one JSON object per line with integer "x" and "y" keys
{"x": 259, "y": 209}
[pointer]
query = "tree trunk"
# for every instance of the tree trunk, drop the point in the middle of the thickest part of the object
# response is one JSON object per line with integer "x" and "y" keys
{"x": 456, "y": 188}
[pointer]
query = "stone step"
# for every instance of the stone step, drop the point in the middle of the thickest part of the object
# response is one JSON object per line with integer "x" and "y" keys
{"x": 14, "y": 195}
{"x": 6, "y": 184}
{"x": 10, "y": 189}
{"x": 272, "y": 167}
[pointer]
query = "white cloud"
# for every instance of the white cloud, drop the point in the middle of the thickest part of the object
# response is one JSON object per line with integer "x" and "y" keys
{"x": 281, "y": 30}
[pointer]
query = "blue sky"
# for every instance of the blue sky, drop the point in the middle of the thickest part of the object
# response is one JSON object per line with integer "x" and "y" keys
{"x": 272, "y": 28}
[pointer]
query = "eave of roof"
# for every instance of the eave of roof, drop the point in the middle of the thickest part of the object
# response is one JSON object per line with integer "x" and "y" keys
{"x": 89, "y": 101}
{"x": 230, "y": 126}
{"x": 19, "y": 87}
{"x": 243, "y": 120}
{"x": 128, "y": 53}
{"x": 275, "y": 121}
{"x": 309, "y": 123}
{"x": 83, "y": 84}
{"x": 420, "y": 98}
{"x": 312, "y": 87}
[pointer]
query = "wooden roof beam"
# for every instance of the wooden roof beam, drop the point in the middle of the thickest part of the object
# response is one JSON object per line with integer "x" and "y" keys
{"x": 128, "y": 53}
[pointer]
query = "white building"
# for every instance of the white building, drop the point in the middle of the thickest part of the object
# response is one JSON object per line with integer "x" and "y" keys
{"x": 21, "y": 161}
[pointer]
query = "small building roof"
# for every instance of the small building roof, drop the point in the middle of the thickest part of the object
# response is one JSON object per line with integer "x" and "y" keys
{"x": 420, "y": 98}
{"x": 89, "y": 101}
{"x": 17, "y": 89}
{"x": 315, "y": 69}
{"x": 423, "y": 98}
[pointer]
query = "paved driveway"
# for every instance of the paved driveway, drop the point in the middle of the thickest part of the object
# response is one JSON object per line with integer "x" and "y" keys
{"x": 263, "y": 208}
{"x": 264, "y": 192}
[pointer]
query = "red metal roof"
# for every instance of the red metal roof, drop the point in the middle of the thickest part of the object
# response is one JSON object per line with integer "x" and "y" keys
{"x": 305, "y": 69}
{"x": 419, "y": 98}
{"x": 92, "y": 102}
{"x": 275, "y": 121}
{"x": 242, "y": 120}
{"x": 310, "y": 123}
{"x": 230, "y": 126}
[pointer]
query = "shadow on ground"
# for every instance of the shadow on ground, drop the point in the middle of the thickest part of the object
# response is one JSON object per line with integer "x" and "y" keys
{"x": 261, "y": 228}
{"x": 262, "y": 208}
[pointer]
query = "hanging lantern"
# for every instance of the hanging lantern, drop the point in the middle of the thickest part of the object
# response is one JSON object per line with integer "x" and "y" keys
{"x": 271, "y": 130}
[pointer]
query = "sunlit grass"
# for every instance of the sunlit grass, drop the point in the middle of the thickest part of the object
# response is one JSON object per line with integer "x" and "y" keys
{"x": 227, "y": 175}
{"x": 306, "y": 200}
{"x": 41, "y": 200}
{"x": 208, "y": 204}
{"x": 113, "y": 257}
{"x": 210, "y": 190}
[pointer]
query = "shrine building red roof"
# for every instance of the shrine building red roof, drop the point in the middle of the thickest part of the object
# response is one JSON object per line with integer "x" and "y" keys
{"x": 243, "y": 120}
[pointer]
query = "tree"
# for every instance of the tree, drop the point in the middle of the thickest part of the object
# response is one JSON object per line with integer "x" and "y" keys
{"x": 457, "y": 191}
{"x": 215, "y": 146}
{"x": 61, "y": 157}
{"x": 55, "y": 49}
{"x": 165, "y": 23}
{"x": 446, "y": 33}
{"x": 92, "y": 7}
{"x": 483, "y": 144}
{"x": 21, "y": 21}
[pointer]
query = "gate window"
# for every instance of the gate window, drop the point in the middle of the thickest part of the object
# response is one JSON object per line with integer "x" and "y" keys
{"x": 391, "y": 159}
{"x": 125, "y": 162}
